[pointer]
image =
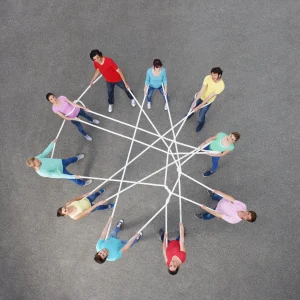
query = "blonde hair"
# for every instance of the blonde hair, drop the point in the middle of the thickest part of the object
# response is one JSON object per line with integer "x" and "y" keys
{"x": 30, "y": 162}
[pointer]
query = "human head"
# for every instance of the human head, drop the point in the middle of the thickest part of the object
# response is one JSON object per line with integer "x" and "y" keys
{"x": 95, "y": 55}
{"x": 62, "y": 211}
{"x": 216, "y": 73}
{"x": 249, "y": 216}
{"x": 157, "y": 63}
{"x": 100, "y": 257}
{"x": 234, "y": 137}
{"x": 33, "y": 162}
{"x": 173, "y": 271}
{"x": 50, "y": 97}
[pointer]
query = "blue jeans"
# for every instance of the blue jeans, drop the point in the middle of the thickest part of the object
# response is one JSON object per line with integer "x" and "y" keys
{"x": 215, "y": 161}
{"x": 208, "y": 216}
{"x": 114, "y": 234}
{"x": 82, "y": 113}
{"x": 152, "y": 89}
{"x": 92, "y": 199}
{"x": 111, "y": 88}
{"x": 202, "y": 113}
{"x": 65, "y": 163}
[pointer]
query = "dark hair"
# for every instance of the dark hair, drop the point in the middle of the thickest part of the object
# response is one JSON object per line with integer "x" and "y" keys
{"x": 236, "y": 135}
{"x": 94, "y": 53}
{"x": 98, "y": 259}
{"x": 253, "y": 216}
{"x": 60, "y": 213}
{"x": 173, "y": 272}
{"x": 157, "y": 63}
{"x": 217, "y": 70}
{"x": 48, "y": 96}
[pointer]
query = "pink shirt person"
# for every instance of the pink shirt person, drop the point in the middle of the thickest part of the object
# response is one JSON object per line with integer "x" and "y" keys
{"x": 66, "y": 108}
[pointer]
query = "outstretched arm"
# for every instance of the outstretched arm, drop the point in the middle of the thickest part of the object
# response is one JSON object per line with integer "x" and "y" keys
{"x": 230, "y": 198}
{"x": 86, "y": 212}
{"x": 208, "y": 141}
{"x": 181, "y": 241}
{"x": 164, "y": 247}
{"x": 77, "y": 105}
{"x": 104, "y": 232}
{"x": 123, "y": 78}
{"x": 211, "y": 211}
{"x": 204, "y": 102}
{"x": 76, "y": 199}
{"x": 97, "y": 73}
{"x": 47, "y": 150}
{"x": 129, "y": 243}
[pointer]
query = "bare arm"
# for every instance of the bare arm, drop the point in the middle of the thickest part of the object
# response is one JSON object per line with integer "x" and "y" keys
{"x": 86, "y": 212}
{"x": 212, "y": 212}
{"x": 128, "y": 244}
{"x": 77, "y": 105}
{"x": 230, "y": 198}
{"x": 164, "y": 247}
{"x": 97, "y": 73}
{"x": 208, "y": 141}
{"x": 104, "y": 232}
{"x": 204, "y": 102}
{"x": 219, "y": 154}
{"x": 64, "y": 117}
{"x": 123, "y": 78}
{"x": 181, "y": 241}
{"x": 76, "y": 199}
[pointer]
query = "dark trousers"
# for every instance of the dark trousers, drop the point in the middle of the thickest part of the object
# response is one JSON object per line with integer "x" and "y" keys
{"x": 92, "y": 199}
{"x": 78, "y": 124}
{"x": 208, "y": 216}
{"x": 202, "y": 113}
{"x": 111, "y": 88}
{"x": 65, "y": 163}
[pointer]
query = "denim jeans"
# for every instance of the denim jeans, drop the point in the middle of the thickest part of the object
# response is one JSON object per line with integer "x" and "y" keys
{"x": 215, "y": 161}
{"x": 92, "y": 199}
{"x": 152, "y": 89}
{"x": 208, "y": 216}
{"x": 78, "y": 124}
{"x": 202, "y": 113}
{"x": 114, "y": 234}
{"x": 111, "y": 88}
{"x": 65, "y": 163}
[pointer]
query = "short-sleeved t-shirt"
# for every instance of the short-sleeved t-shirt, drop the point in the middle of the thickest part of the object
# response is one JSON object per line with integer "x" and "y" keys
{"x": 81, "y": 205}
{"x": 216, "y": 144}
{"x": 229, "y": 210}
{"x": 212, "y": 87}
{"x": 113, "y": 245}
{"x": 108, "y": 70}
{"x": 174, "y": 249}
{"x": 66, "y": 108}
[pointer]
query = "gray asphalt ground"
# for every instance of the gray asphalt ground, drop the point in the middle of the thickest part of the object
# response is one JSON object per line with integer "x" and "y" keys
{"x": 45, "y": 47}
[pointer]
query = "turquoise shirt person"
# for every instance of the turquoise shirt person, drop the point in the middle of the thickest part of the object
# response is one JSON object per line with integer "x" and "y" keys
{"x": 51, "y": 167}
{"x": 216, "y": 144}
{"x": 113, "y": 245}
{"x": 156, "y": 81}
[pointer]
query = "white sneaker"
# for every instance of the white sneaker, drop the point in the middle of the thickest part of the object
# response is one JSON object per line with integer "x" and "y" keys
{"x": 88, "y": 182}
{"x": 96, "y": 121}
{"x": 149, "y": 105}
{"x": 166, "y": 106}
{"x": 110, "y": 107}
{"x": 87, "y": 137}
{"x": 132, "y": 101}
{"x": 80, "y": 156}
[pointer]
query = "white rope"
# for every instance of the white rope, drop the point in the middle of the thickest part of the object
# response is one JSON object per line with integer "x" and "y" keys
{"x": 63, "y": 123}
{"x": 125, "y": 167}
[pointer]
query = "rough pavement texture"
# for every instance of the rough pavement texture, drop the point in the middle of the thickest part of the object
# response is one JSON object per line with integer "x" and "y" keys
{"x": 45, "y": 47}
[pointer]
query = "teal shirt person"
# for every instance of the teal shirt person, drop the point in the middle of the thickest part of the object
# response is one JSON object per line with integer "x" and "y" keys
{"x": 113, "y": 245}
{"x": 156, "y": 81}
{"x": 51, "y": 167}
{"x": 216, "y": 144}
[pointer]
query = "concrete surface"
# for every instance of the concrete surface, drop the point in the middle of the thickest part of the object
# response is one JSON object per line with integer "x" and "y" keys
{"x": 45, "y": 47}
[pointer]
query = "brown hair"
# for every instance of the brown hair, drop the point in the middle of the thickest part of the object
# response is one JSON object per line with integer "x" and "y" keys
{"x": 157, "y": 63}
{"x": 60, "y": 213}
{"x": 253, "y": 216}
{"x": 236, "y": 135}
{"x": 98, "y": 259}
{"x": 173, "y": 272}
{"x": 30, "y": 162}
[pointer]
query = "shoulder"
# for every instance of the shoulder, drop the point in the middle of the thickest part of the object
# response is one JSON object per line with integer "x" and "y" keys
{"x": 149, "y": 71}
{"x": 207, "y": 78}
{"x": 99, "y": 244}
{"x": 163, "y": 70}
{"x": 221, "y": 134}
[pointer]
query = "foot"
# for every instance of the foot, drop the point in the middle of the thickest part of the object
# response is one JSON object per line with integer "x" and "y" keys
{"x": 110, "y": 107}
{"x": 149, "y": 105}
{"x": 102, "y": 191}
{"x": 161, "y": 232}
{"x": 132, "y": 101}
{"x": 80, "y": 156}
{"x": 111, "y": 205}
{"x": 87, "y": 137}
{"x": 120, "y": 223}
{"x": 208, "y": 173}
{"x": 96, "y": 121}
{"x": 210, "y": 193}
{"x": 166, "y": 106}
{"x": 139, "y": 236}
{"x": 199, "y": 216}
{"x": 88, "y": 182}
{"x": 199, "y": 127}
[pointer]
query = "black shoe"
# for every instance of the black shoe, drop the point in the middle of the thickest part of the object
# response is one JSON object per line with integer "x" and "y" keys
{"x": 161, "y": 233}
{"x": 199, "y": 216}
{"x": 139, "y": 237}
{"x": 199, "y": 127}
{"x": 208, "y": 173}
{"x": 210, "y": 193}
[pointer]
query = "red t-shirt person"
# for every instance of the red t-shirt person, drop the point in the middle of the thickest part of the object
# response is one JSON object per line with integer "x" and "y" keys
{"x": 109, "y": 70}
{"x": 174, "y": 249}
